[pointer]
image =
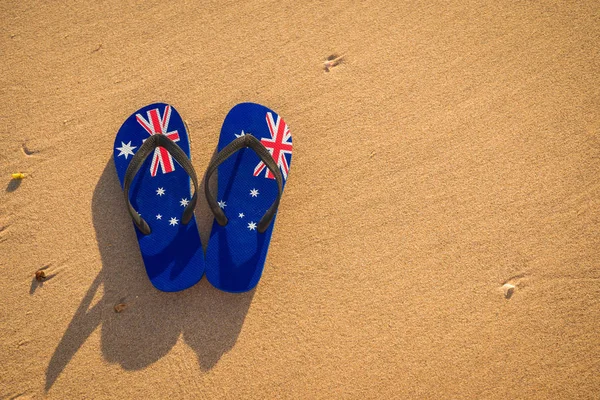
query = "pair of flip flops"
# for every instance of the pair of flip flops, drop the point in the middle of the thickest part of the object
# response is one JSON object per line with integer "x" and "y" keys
{"x": 152, "y": 158}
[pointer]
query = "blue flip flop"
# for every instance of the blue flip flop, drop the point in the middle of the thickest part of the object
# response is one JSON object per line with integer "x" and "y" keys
{"x": 253, "y": 161}
{"x": 157, "y": 194}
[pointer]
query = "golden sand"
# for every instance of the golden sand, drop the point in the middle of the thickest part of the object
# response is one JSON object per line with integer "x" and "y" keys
{"x": 441, "y": 153}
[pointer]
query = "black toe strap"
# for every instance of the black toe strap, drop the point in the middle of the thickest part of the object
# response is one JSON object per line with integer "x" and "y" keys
{"x": 266, "y": 157}
{"x": 138, "y": 159}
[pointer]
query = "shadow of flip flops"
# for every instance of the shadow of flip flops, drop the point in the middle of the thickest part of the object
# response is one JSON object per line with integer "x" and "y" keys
{"x": 150, "y": 325}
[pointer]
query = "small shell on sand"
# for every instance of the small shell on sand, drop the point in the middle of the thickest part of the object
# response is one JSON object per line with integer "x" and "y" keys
{"x": 332, "y": 61}
{"x": 508, "y": 290}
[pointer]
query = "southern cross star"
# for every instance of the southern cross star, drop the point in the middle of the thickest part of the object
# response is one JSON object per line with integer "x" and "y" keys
{"x": 160, "y": 191}
{"x": 241, "y": 215}
{"x": 240, "y": 135}
{"x": 158, "y": 216}
{"x": 254, "y": 193}
{"x": 173, "y": 221}
{"x": 184, "y": 202}
{"x": 222, "y": 204}
{"x": 252, "y": 226}
{"x": 126, "y": 149}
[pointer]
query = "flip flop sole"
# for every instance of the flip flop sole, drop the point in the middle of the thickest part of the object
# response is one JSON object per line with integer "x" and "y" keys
{"x": 172, "y": 252}
{"x": 236, "y": 252}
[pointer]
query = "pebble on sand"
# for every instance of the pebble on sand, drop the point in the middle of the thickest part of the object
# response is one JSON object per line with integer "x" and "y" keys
{"x": 508, "y": 290}
{"x": 120, "y": 307}
{"x": 40, "y": 275}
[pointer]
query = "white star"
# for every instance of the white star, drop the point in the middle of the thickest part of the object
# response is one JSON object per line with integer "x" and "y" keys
{"x": 158, "y": 216}
{"x": 240, "y": 135}
{"x": 184, "y": 202}
{"x": 252, "y": 226}
{"x": 173, "y": 221}
{"x": 126, "y": 149}
{"x": 160, "y": 191}
{"x": 254, "y": 193}
{"x": 222, "y": 204}
{"x": 241, "y": 215}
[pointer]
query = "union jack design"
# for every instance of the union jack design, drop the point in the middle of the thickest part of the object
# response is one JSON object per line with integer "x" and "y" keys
{"x": 278, "y": 145}
{"x": 157, "y": 125}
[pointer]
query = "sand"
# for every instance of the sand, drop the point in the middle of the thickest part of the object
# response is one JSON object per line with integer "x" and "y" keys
{"x": 439, "y": 236}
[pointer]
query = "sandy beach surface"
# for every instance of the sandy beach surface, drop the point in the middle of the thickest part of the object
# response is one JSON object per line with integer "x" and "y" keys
{"x": 439, "y": 236}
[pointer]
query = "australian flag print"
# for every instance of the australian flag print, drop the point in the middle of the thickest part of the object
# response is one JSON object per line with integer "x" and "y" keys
{"x": 246, "y": 189}
{"x": 160, "y": 191}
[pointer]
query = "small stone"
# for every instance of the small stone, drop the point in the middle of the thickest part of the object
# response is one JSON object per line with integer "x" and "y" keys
{"x": 508, "y": 290}
{"x": 40, "y": 275}
{"x": 119, "y": 308}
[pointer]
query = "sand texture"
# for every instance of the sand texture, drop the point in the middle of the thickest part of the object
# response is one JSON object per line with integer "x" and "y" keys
{"x": 439, "y": 236}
